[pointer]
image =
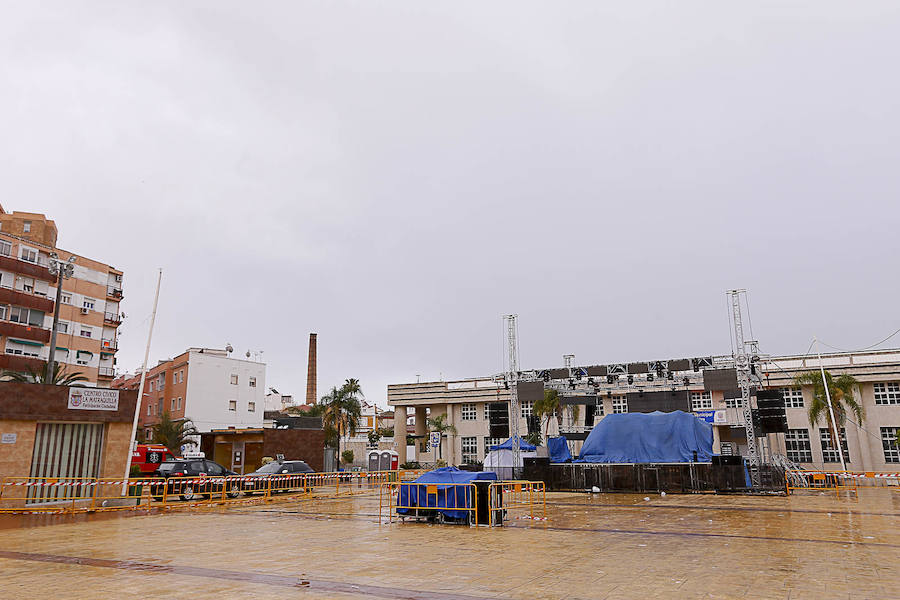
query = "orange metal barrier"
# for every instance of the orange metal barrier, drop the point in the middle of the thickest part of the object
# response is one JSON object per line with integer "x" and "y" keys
{"x": 517, "y": 495}
{"x": 58, "y": 495}
{"x": 821, "y": 481}
{"x": 464, "y": 495}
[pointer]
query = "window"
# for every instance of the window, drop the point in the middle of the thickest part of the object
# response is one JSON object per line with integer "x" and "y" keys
{"x": 161, "y": 381}
{"x": 173, "y": 403}
{"x": 234, "y": 380}
{"x": 799, "y": 450}
{"x": 179, "y": 377}
{"x": 22, "y": 349}
{"x": 701, "y": 401}
{"x": 17, "y": 314}
{"x": 469, "y": 450}
{"x": 251, "y": 407}
{"x": 26, "y": 226}
{"x": 887, "y": 393}
{"x": 829, "y": 451}
{"x": 85, "y": 332}
{"x": 232, "y": 405}
{"x": 468, "y": 412}
{"x": 599, "y": 411}
{"x": 620, "y": 404}
{"x": 66, "y": 298}
{"x": 29, "y": 255}
{"x": 889, "y": 444}
{"x": 5, "y": 248}
{"x": 149, "y": 410}
{"x": 734, "y": 402}
{"x": 793, "y": 397}
{"x": 151, "y": 386}
{"x": 88, "y": 303}
{"x": 491, "y": 441}
{"x": 527, "y": 408}
{"x": 252, "y": 382}
{"x": 2, "y": 311}
{"x": 83, "y": 357}
{"x": 179, "y": 402}
{"x": 62, "y": 327}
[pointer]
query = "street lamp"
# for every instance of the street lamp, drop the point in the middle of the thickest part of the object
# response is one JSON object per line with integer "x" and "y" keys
{"x": 61, "y": 269}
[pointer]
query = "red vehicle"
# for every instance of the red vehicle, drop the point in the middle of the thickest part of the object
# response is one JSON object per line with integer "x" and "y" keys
{"x": 149, "y": 456}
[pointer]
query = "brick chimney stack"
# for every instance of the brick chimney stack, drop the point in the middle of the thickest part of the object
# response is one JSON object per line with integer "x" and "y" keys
{"x": 311, "y": 371}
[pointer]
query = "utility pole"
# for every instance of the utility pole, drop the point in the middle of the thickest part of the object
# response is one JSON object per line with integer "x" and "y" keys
{"x": 62, "y": 270}
{"x": 836, "y": 434}
{"x": 512, "y": 377}
{"x": 140, "y": 396}
{"x": 742, "y": 366}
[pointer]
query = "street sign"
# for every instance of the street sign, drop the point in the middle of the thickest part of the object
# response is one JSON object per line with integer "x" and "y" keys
{"x": 435, "y": 439}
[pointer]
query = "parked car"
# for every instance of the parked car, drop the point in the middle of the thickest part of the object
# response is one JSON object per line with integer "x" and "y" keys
{"x": 148, "y": 457}
{"x": 190, "y": 478}
{"x": 281, "y": 470}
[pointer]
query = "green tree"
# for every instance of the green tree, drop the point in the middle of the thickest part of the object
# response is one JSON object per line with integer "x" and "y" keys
{"x": 342, "y": 409}
{"x": 347, "y": 456}
{"x": 842, "y": 401}
{"x": 547, "y": 408}
{"x": 439, "y": 424}
{"x": 374, "y": 436}
{"x": 60, "y": 375}
{"x": 173, "y": 433}
{"x": 534, "y": 438}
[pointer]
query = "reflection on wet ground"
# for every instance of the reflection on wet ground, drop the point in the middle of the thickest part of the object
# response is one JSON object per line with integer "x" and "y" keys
{"x": 592, "y": 546}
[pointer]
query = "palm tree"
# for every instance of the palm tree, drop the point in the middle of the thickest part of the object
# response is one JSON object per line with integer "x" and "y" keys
{"x": 60, "y": 376}
{"x": 548, "y": 407}
{"x": 173, "y": 433}
{"x": 440, "y": 425}
{"x": 842, "y": 400}
{"x": 342, "y": 410}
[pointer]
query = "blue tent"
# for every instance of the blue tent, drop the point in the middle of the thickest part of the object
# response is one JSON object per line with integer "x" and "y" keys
{"x": 559, "y": 450}
{"x": 448, "y": 496}
{"x": 656, "y": 437}
{"x": 508, "y": 445}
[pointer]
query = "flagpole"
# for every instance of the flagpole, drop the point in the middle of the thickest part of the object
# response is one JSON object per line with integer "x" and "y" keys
{"x": 140, "y": 395}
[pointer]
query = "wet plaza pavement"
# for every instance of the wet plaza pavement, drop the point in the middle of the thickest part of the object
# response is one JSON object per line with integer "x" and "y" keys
{"x": 591, "y": 546}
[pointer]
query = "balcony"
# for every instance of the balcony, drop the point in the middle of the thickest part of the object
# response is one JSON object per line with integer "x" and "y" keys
{"x": 107, "y": 345}
{"x": 107, "y": 372}
{"x": 21, "y": 298}
{"x": 113, "y": 293}
{"x": 21, "y": 267}
{"x": 112, "y": 319}
{"x": 25, "y": 332}
{"x": 14, "y": 362}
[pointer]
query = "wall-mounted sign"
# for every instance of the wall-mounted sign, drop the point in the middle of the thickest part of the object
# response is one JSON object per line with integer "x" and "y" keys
{"x": 435, "y": 439}
{"x": 717, "y": 417}
{"x": 93, "y": 399}
{"x": 8, "y": 438}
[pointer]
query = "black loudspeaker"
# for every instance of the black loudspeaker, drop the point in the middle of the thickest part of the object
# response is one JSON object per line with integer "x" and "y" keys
{"x": 724, "y": 460}
{"x": 498, "y": 419}
{"x": 770, "y": 416}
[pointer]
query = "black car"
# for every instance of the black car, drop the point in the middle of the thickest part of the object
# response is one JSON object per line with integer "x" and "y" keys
{"x": 190, "y": 478}
{"x": 285, "y": 475}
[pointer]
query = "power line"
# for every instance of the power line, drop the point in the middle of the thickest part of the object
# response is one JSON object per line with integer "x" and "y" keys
{"x": 861, "y": 349}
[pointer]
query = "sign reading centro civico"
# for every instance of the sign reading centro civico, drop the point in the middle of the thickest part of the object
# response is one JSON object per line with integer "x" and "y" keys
{"x": 93, "y": 399}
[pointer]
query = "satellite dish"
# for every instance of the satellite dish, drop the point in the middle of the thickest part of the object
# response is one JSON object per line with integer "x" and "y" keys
{"x": 228, "y": 348}
{"x": 248, "y": 354}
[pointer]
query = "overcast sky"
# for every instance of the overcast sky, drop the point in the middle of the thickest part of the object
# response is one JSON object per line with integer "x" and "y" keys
{"x": 395, "y": 176}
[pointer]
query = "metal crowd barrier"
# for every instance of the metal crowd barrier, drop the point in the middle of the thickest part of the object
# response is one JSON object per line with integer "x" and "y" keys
{"x": 821, "y": 481}
{"x": 423, "y": 501}
{"x": 515, "y": 495}
{"x": 69, "y": 495}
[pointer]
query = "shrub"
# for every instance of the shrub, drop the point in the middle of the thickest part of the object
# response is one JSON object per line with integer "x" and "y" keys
{"x": 347, "y": 456}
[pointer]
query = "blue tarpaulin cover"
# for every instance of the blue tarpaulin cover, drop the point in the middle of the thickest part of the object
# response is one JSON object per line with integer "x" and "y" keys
{"x": 508, "y": 445}
{"x": 447, "y": 497}
{"x": 559, "y": 450}
{"x": 655, "y": 437}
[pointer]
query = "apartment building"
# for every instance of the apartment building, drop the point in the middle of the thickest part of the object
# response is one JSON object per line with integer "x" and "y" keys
{"x": 90, "y": 314}
{"x": 479, "y": 408}
{"x": 207, "y": 386}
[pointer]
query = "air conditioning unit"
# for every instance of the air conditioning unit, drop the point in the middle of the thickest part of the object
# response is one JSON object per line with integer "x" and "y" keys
{"x": 85, "y": 311}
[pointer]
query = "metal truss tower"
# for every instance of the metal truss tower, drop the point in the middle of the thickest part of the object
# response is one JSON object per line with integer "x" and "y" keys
{"x": 512, "y": 376}
{"x": 742, "y": 366}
